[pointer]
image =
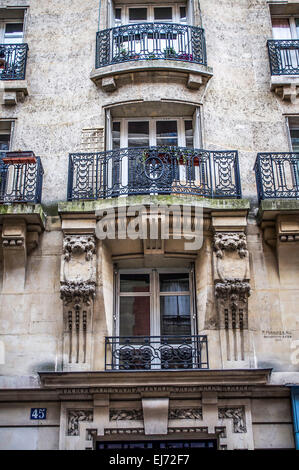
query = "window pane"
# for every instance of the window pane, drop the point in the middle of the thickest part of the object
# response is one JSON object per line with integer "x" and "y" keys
{"x": 134, "y": 283}
{"x": 163, "y": 13}
{"x": 281, "y": 28}
{"x": 174, "y": 282}
{"x": 137, "y": 14}
{"x": 183, "y": 14}
{"x": 167, "y": 133}
{"x": 13, "y": 33}
{"x": 189, "y": 134}
{"x": 134, "y": 316}
{"x": 295, "y": 139}
{"x": 116, "y": 135}
{"x": 138, "y": 134}
{"x": 118, "y": 13}
{"x": 4, "y": 142}
{"x": 175, "y": 315}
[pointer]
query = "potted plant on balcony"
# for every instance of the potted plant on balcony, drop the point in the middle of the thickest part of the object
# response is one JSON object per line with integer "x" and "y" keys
{"x": 19, "y": 157}
{"x": 151, "y": 56}
{"x": 2, "y": 59}
{"x": 122, "y": 54}
{"x": 186, "y": 57}
{"x": 170, "y": 53}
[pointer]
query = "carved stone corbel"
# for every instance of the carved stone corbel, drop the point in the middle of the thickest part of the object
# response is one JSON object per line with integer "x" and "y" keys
{"x": 232, "y": 286}
{"x": 77, "y": 290}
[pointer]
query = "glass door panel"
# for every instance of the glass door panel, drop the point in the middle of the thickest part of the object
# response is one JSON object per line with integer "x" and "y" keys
{"x": 281, "y": 28}
{"x": 167, "y": 133}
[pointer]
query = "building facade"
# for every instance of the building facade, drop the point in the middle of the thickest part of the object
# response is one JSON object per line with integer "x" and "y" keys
{"x": 118, "y": 119}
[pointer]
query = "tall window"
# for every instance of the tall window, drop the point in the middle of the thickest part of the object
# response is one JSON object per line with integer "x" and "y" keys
{"x": 285, "y": 27}
{"x": 154, "y": 303}
{"x": 152, "y": 132}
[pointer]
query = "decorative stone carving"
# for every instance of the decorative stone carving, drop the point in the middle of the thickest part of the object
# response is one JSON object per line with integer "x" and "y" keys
{"x": 79, "y": 244}
{"x": 238, "y": 417}
{"x": 120, "y": 431}
{"x": 232, "y": 302}
{"x": 185, "y": 413}
{"x": 233, "y": 291}
{"x": 125, "y": 415}
{"x": 75, "y": 417}
{"x": 77, "y": 292}
{"x": 189, "y": 430}
{"x": 230, "y": 241}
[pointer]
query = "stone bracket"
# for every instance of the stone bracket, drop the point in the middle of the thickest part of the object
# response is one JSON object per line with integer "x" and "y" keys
{"x": 14, "y": 92}
{"x": 19, "y": 238}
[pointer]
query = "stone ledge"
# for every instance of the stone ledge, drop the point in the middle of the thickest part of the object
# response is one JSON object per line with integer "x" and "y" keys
{"x": 90, "y": 207}
{"x": 32, "y": 213}
{"x": 285, "y": 86}
{"x": 175, "y": 379}
{"x": 108, "y": 77}
{"x": 270, "y": 208}
{"x": 14, "y": 92}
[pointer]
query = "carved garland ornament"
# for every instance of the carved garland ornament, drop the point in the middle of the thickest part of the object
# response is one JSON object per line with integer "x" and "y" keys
{"x": 185, "y": 413}
{"x": 126, "y": 415}
{"x": 238, "y": 417}
{"x": 230, "y": 241}
{"x": 75, "y": 417}
{"x": 72, "y": 291}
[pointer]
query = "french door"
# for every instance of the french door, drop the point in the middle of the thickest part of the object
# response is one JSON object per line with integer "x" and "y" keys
{"x": 155, "y": 321}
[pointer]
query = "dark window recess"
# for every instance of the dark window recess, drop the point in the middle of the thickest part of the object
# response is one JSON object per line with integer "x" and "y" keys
{"x": 14, "y": 28}
{"x": 4, "y": 142}
{"x": 118, "y": 14}
{"x": 137, "y": 14}
{"x": 294, "y": 132}
{"x": 164, "y": 13}
{"x": 183, "y": 13}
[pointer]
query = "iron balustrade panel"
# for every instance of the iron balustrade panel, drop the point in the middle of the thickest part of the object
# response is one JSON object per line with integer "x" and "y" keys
{"x": 13, "y": 59}
{"x": 150, "y": 41}
{"x": 226, "y": 174}
{"x": 284, "y": 56}
{"x": 20, "y": 182}
{"x": 277, "y": 175}
{"x": 156, "y": 352}
{"x": 153, "y": 170}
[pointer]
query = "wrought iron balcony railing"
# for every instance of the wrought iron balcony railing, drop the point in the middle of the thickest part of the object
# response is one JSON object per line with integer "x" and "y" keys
{"x": 154, "y": 170}
{"x": 284, "y": 56}
{"x": 277, "y": 175}
{"x": 13, "y": 58}
{"x": 21, "y": 177}
{"x": 150, "y": 41}
{"x": 156, "y": 352}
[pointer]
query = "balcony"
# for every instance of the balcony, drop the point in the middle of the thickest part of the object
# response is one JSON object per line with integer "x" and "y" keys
{"x": 284, "y": 68}
{"x": 156, "y": 352}
{"x": 21, "y": 177}
{"x": 154, "y": 170}
{"x": 167, "y": 47}
{"x": 277, "y": 175}
{"x": 13, "y": 58}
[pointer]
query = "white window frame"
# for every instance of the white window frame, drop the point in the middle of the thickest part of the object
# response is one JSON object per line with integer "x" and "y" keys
{"x": 154, "y": 294}
{"x": 6, "y": 132}
{"x": 152, "y": 130}
{"x": 292, "y": 23}
{"x": 289, "y": 130}
{"x": 150, "y": 13}
{"x": 3, "y": 24}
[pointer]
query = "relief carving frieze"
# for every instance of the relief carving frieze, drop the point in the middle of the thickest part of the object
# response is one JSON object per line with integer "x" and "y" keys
{"x": 238, "y": 417}
{"x": 185, "y": 413}
{"x": 74, "y": 418}
{"x": 73, "y": 244}
{"x": 126, "y": 415}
